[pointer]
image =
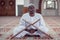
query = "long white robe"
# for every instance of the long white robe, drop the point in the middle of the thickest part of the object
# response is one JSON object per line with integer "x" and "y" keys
{"x": 22, "y": 25}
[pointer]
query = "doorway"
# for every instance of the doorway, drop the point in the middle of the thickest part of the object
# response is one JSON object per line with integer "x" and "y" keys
{"x": 7, "y": 7}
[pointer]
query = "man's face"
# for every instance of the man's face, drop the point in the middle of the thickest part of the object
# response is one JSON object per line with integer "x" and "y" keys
{"x": 31, "y": 10}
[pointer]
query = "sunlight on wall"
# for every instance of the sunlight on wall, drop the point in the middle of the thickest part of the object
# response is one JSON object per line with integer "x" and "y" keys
{"x": 20, "y": 2}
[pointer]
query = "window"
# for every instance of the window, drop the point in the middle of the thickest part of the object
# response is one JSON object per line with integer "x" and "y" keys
{"x": 50, "y": 4}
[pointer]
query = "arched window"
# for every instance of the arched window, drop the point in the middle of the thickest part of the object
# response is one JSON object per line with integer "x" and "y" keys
{"x": 49, "y": 4}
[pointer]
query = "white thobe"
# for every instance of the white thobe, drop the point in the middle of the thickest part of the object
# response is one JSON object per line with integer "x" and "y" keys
{"x": 22, "y": 25}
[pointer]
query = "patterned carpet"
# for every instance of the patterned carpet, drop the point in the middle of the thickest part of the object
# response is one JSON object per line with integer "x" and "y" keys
{"x": 8, "y": 23}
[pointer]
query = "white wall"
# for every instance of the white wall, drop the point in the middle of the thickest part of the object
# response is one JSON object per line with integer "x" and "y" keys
{"x": 48, "y": 12}
{"x": 18, "y": 2}
{"x": 21, "y": 2}
{"x": 59, "y": 7}
{"x": 35, "y": 2}
{"x": 26, "y": 3}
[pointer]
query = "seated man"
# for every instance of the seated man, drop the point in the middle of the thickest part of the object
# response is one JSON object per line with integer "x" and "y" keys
{"x": 31, "y": 21}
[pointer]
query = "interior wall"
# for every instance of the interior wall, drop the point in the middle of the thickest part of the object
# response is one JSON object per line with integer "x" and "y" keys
{"x": 35, "y": 2}
{"x": 26, "y": 3}
{"x": 49, "y": 12}
{"x": 59, "y": 7}
{"x": 45, "y": 12}
{"x": 19, "y": 2}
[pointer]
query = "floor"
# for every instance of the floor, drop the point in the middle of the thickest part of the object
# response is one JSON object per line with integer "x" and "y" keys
{"x": 8, "y": 23}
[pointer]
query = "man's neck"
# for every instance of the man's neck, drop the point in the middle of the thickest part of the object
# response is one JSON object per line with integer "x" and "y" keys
{"x": 32, "y": 15}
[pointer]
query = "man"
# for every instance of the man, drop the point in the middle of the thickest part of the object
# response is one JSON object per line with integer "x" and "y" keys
{"x": 30, "y": 18}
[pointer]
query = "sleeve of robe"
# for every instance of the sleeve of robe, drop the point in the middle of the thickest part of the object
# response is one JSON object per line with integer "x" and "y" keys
{"x": 21, "y": 22}
{"x": 20, "y": 27}
{"x": 47, "y": 30}
{"x": 43, "y": 25}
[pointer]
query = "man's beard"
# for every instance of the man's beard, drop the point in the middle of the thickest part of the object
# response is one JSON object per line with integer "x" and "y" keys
{"x": 32, "y": 14}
